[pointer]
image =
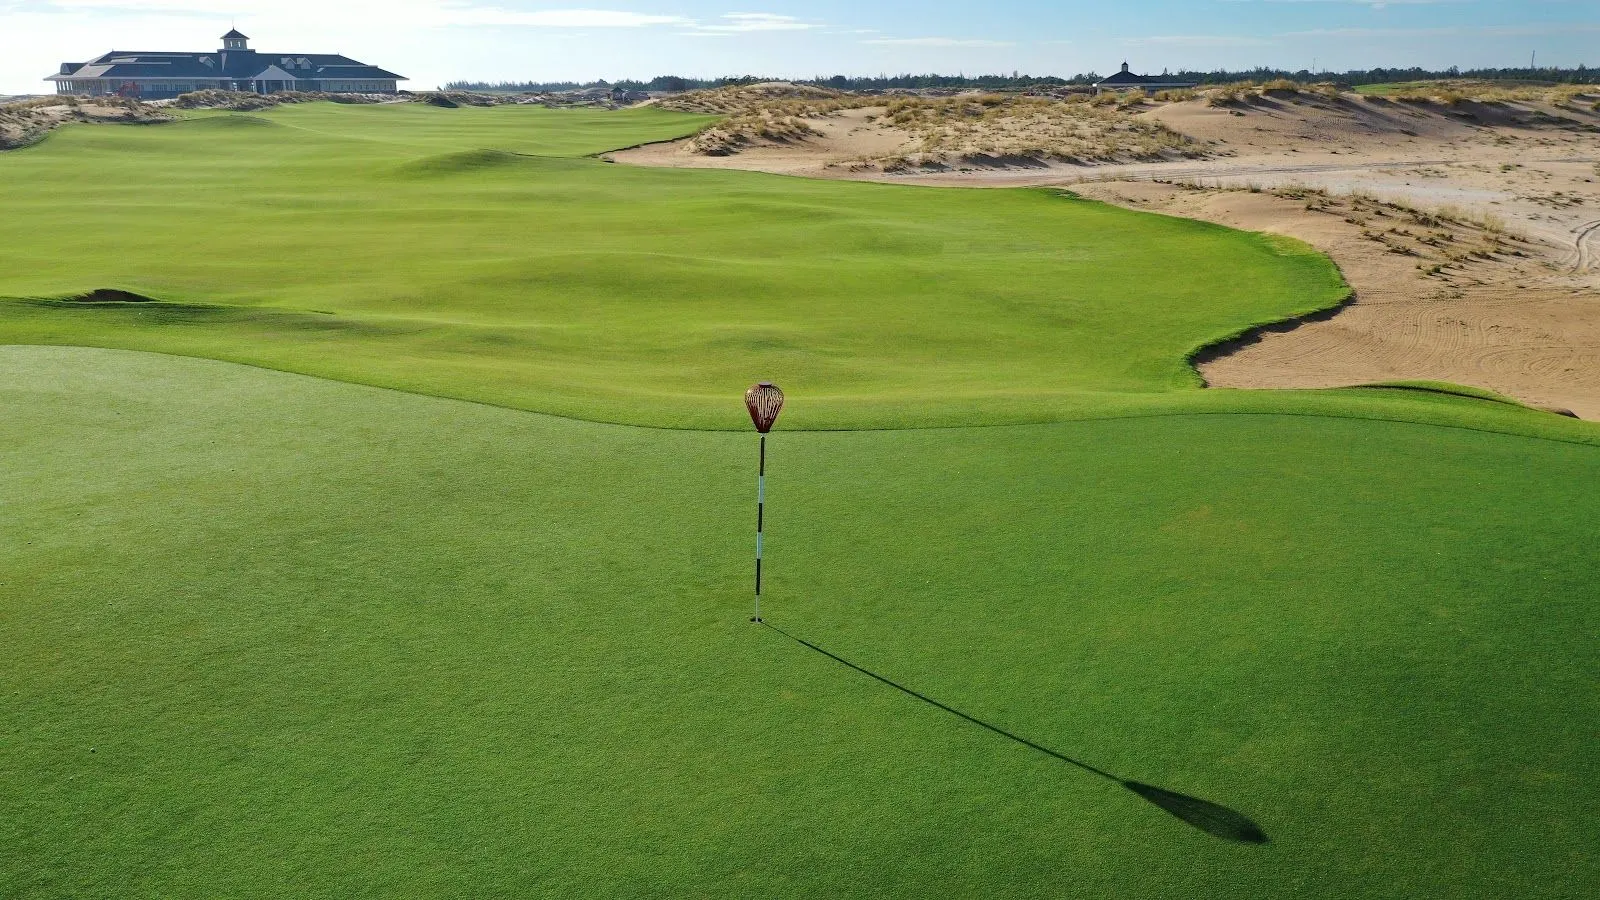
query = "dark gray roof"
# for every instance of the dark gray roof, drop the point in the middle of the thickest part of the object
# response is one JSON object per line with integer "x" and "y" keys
{"x": 1126, "y": 78}
{"x": 234, "y": 35}
{"x": 238, "y": 65}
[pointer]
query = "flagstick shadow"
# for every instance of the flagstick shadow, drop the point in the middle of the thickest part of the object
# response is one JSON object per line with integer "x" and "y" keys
{"x": 1212, "y": 818}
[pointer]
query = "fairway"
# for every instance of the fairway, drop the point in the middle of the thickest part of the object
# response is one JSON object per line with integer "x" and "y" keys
{"x": 422, "y": 249}
{"x": 446, "y": 592}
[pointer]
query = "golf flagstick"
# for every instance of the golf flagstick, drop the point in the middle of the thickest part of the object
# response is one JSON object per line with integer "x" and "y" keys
{"x": 764, "y": 401}
{"x": 761, "y": 510}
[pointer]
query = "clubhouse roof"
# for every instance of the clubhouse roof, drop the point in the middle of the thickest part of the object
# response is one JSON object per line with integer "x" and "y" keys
{"x": 1126, "y": 80}
{"x": 234, "y": 67}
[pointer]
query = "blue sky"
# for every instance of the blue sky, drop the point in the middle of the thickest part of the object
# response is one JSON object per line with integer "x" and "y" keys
{"x": 437, "y": 40}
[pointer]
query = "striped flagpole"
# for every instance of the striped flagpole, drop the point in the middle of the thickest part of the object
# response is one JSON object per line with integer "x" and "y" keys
{"x": 761, "y": 506}
{"x": 764, "y": 401}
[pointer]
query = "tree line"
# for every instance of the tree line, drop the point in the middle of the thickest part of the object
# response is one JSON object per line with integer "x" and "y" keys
{"x": 676, "y": 83}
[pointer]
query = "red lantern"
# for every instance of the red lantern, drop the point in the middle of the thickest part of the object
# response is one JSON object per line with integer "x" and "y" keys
{"x": 764, "y": 401}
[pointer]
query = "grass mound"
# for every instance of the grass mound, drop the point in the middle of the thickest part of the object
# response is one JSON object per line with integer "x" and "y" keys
{"x": 464, "y": 162}
{"x": 109, "y": 295}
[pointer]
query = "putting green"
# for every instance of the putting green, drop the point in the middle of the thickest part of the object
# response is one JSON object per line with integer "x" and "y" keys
{"x": 263, "y": 634}
{"x": 423, "y": 249}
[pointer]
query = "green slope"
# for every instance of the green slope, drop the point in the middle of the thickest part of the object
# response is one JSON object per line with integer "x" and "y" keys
{"x": 407, "y": 128}
{"x": 414, "y": 247}
{"x": 264, "y": 635}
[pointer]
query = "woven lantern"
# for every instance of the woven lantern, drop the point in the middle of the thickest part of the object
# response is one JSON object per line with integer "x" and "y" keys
{"x": 764, "y": 401}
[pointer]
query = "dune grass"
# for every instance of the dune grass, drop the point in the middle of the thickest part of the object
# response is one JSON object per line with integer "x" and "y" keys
{"x": 421, "y": 248}
{"x": 1453, "y": 91}
{"x": 265, "y": 635}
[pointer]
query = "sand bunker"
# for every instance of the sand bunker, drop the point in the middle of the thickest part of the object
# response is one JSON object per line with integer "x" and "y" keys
{"x": 1496, "y": 286}
{"x": 1511, "y": 321}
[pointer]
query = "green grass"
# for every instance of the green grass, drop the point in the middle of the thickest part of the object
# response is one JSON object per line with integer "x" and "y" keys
{"x": 413, "y": 247}
{"x": 1394, "y": 87}
{"x": 403, "y": 130}
{"x": 269, "y": 635}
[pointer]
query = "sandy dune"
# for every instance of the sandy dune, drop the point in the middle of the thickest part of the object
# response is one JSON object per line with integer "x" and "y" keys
{"x": 1525, "y": 325}
{"x": 24, "y": 123}
{"x": 842, "y": 140}
{"x": 1518, "y": 326}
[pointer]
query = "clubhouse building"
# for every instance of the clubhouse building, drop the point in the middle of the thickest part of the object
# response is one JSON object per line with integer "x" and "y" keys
{"x": 1127, "y": 81}
{"x": 235, "y": 67}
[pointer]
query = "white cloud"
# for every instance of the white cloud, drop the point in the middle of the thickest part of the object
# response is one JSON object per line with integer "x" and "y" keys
{"x": 413, "y": 13}
{"x": 731, "y": 24}
{"x": 938, "y": 42}
{"x": 555, "y": 18}
{"x": 442, "y": 13}
{"x": 1197, "y": 40}
{"x": 1551, "y": 29}
{"x": 738, "y": 23}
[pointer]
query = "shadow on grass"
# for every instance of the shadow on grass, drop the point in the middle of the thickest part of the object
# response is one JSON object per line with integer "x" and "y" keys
{"x": 1212, "y": 818}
